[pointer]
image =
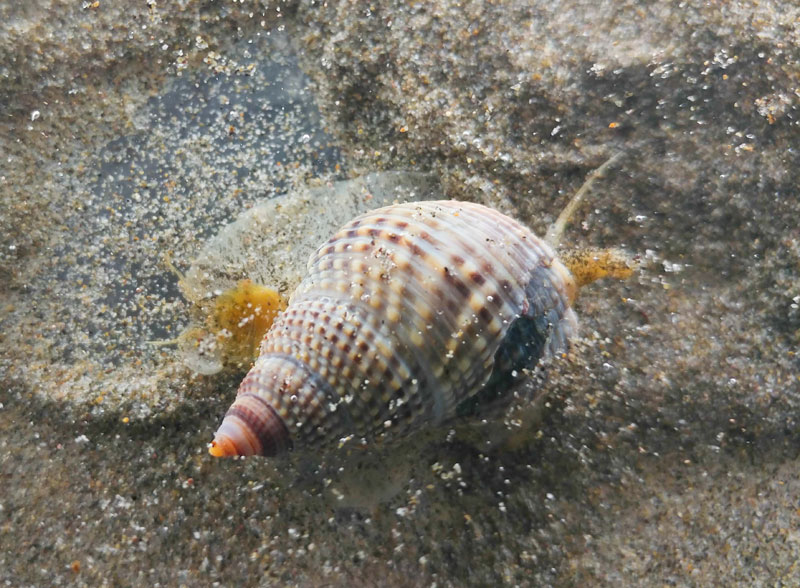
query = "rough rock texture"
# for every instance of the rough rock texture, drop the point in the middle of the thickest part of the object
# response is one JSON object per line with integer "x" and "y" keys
{"x": 663, "y": 451}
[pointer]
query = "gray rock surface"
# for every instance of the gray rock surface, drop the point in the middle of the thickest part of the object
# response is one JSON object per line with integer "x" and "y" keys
{"x": 663, "y": 451}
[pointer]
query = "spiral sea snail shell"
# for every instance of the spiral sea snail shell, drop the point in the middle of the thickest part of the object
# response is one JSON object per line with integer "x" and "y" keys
{"x": 405, "y": 313}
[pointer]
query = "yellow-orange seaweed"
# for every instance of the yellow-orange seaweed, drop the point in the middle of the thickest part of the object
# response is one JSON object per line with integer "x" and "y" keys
{"x": 588, "y": 265}
{"x": 240, "y": 318}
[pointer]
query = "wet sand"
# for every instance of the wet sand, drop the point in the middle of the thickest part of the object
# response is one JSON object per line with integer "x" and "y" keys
{"x": 662, "y": 451}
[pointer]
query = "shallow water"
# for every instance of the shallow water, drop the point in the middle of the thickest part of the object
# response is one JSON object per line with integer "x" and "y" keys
{"x": 662, "y": 451}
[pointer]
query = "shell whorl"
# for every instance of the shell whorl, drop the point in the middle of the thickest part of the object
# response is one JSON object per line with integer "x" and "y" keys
{"x": 406, "y": 312}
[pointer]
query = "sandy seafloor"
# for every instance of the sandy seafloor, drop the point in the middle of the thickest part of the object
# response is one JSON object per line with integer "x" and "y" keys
{"x": 664, "y": 451}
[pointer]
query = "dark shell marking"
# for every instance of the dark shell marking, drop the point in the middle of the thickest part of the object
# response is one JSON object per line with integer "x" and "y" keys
{"x": 405, "y": 313}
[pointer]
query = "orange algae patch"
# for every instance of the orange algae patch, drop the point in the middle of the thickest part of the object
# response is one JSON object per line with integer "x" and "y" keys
{"x": 588, "y": 265}
{"x": 240, "y": 318}
{"x": 217, "y": 449}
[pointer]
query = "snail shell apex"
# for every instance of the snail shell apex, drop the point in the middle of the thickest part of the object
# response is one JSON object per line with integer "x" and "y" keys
{"x": 404, "y": 314}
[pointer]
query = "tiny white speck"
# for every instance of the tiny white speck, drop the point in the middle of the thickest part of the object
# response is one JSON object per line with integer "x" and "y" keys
{"x": 35, "y": 114}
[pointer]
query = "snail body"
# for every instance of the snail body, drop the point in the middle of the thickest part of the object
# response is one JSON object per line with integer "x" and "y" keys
{"x": 405, "y": 313}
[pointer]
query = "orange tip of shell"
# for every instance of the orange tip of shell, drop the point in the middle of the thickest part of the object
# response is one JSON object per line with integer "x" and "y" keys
{"x": 222, "y": 447}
